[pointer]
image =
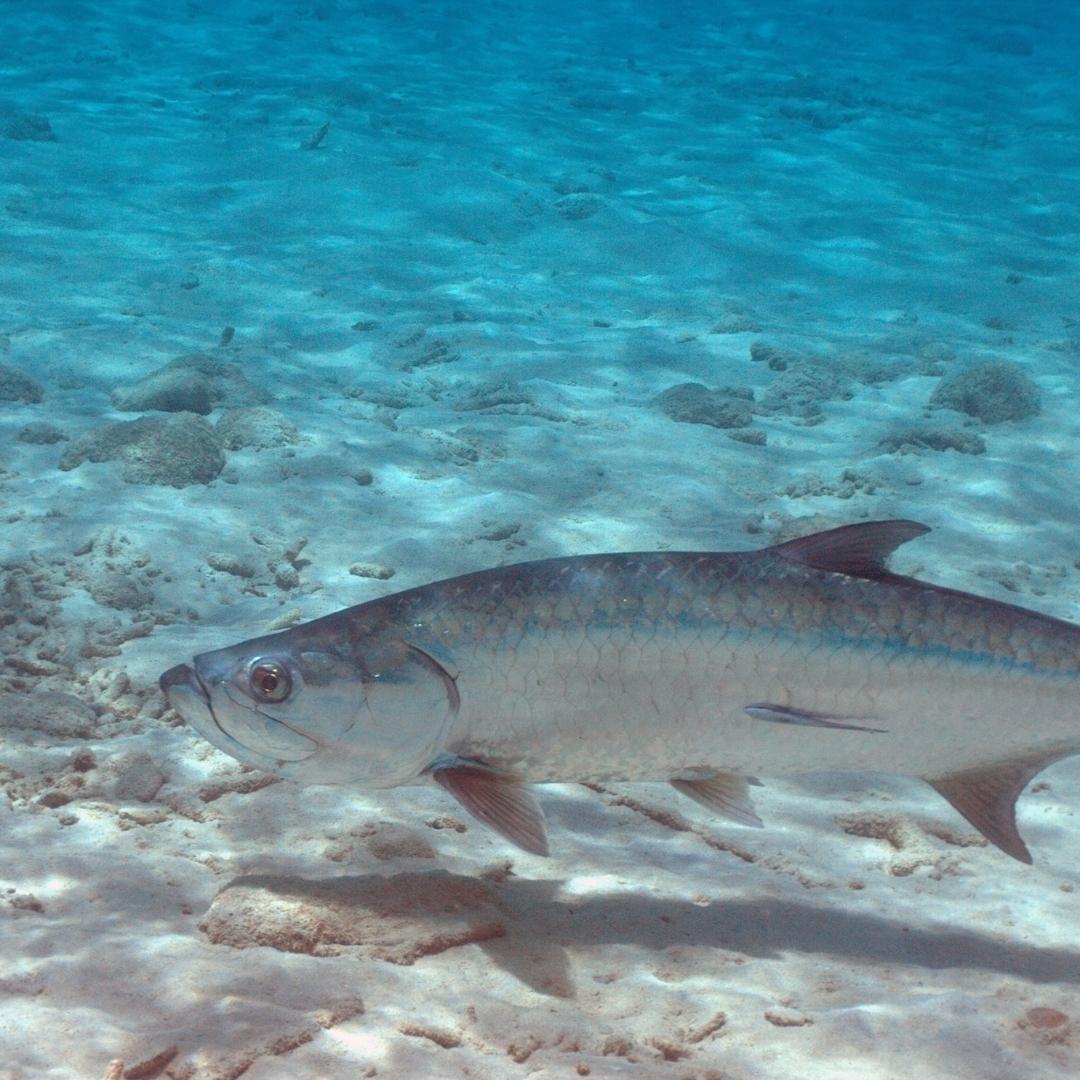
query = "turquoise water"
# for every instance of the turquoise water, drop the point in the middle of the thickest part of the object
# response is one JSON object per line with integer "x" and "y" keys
{"x": 304, "y": 304}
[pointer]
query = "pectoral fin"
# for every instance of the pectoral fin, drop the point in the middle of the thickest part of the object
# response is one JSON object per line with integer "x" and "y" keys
{"x": 987, "y": 798}
{"x": 726, "y": 793}
{"x": 503, "y": 803}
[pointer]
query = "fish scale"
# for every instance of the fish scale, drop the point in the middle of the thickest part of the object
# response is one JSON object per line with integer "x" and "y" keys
{"x": 703, "y": 661}
{"x": 701, "y": 668}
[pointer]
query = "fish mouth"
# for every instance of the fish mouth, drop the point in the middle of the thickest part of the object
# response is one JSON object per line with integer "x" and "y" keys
{"x": 188, "y": 695}
{"x": 183, "y": 679}
{"x": 187, "y": 692}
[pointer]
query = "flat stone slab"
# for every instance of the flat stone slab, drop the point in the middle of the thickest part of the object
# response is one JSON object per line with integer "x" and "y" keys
{"x": 399, "y": 918}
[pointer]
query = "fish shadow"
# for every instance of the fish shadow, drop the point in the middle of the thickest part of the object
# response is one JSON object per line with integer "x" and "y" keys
{"x": 759, "y": 927}
{"x": 541, "y": 928}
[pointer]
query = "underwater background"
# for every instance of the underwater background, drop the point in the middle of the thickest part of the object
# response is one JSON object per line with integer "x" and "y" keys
{"x": 307, "y": 303}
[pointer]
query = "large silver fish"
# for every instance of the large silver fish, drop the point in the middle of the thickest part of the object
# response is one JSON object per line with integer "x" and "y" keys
{"x": 702, "y": 669}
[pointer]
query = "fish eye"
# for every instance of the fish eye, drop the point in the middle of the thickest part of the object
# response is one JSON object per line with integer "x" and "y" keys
{"x": 268, "y": 680}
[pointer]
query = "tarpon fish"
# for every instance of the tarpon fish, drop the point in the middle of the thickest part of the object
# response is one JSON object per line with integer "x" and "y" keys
{"x": 703, "y": 669}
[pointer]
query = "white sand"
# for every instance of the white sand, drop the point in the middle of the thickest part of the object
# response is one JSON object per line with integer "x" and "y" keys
{"x": 566, "y": 203}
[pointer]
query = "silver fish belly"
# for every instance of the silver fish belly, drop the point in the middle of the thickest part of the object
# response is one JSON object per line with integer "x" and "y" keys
{"x": 704, "y": 669}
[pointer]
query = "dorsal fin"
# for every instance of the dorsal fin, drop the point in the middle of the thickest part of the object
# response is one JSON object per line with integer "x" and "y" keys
{"x": 856, "y": 550}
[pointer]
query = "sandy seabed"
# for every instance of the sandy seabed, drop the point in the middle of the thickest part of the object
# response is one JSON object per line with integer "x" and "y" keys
{"x": 308, "y": 305}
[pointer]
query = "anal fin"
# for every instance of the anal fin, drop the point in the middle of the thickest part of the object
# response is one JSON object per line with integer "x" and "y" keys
{"x": 987, "y": 797}
{"x": 726, "y": 793}
{"x": 503, "y": 803}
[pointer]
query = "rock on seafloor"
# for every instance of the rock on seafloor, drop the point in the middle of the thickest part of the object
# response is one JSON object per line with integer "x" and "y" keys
{"x": 399, "y": 918}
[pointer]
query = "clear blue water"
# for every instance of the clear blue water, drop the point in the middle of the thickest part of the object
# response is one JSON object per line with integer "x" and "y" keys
{"x": 302, "y": 304}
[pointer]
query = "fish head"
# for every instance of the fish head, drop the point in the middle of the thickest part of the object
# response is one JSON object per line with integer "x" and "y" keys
{"x": 309, "y": 709}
